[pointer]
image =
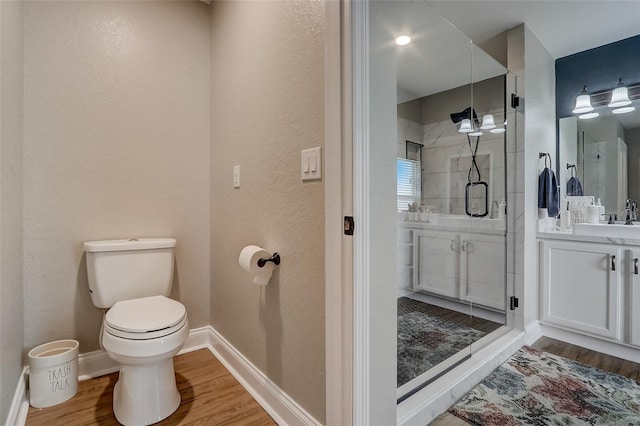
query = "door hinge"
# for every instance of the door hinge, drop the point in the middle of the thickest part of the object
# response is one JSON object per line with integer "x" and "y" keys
{"x": 513, "y": 302}
{"x": 515, "y": 101}
{"x": 348, "y": 225}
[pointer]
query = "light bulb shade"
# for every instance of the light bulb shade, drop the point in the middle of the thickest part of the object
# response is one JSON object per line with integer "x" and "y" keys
{"x": 619, "y": 96}
{"x": 583, "y": 103}
{"x": 624, "y": 110}
{"x": 487, "y": 122}
{"x": 498, "y": 130}
{"x": 476, "y": 133}
{"x": 465, "y": 126}
{"x": 588, "y": 116}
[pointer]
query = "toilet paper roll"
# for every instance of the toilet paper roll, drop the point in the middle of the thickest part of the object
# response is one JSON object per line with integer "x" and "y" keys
{"x": 248, "y": 260}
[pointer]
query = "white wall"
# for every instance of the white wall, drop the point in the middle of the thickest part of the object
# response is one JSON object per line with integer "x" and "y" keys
{"x": 539, "y": 136}
{"x": 11, "y": 287}
{"x": 116, "y": 145}
{"x": 375, "y": 208}
{"x": 267, "y": 104}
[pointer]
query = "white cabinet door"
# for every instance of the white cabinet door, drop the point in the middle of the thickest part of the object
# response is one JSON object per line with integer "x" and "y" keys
{"x": 482, "y": 270}
{"x": 581, "y": 287}
{"x": 437, "y": 258}
{"x": 632, "y": 262}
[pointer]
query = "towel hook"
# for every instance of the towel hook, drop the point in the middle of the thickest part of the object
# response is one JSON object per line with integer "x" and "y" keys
{"x": 573, "y": 169}
{"x": 275, "y": 258}
{"x": 545, "y": 155}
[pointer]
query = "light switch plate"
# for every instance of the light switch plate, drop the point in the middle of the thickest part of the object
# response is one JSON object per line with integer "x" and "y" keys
{"x": 236, "y": 176}
{"x": 311, "y": 164}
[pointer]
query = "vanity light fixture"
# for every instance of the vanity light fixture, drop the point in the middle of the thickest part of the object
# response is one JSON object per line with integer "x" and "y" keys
{"x": 465, "y": 126}
{"x": 403, "y": 40}
{"x": 583, "y": 102}
{"x": 487, "y": 122}
{"x": 619, "y": 96}
{"x": 589, "y": 115}
{"x": 623, "y": 110}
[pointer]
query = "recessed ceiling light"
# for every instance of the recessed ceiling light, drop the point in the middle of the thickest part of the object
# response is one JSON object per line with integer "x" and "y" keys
{"x": 403, "y": 40}
{"x": 588, "y": 116}
{"x": 623, "y": 110}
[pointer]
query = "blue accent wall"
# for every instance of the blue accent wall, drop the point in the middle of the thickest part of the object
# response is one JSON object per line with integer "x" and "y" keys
{"x": 599, "y": 69}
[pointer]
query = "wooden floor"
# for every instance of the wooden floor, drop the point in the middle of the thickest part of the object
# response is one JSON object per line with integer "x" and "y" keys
{"x": 210, "y": 396}
{"x": 586, "y": 356}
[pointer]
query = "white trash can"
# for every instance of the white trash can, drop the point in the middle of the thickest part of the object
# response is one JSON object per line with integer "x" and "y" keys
{"x": 53, "y": 373}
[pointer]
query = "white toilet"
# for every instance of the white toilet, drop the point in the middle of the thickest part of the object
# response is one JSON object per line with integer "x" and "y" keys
{"x": 143, "y": 329}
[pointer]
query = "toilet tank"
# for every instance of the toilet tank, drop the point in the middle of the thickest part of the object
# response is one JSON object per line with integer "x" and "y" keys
{"x": 129, "y": 269}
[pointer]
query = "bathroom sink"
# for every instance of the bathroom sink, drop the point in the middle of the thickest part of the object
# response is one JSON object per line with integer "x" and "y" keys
{"x": 618, "y": 230}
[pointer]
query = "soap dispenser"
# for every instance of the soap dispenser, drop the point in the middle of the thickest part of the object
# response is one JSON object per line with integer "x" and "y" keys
{"x": 593, "y": 213}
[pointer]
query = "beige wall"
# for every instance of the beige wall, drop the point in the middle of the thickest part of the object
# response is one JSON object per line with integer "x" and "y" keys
{"x": 11, "y": 287}
{"x": 267, "y": 104}
{"x": 116, "y": 145}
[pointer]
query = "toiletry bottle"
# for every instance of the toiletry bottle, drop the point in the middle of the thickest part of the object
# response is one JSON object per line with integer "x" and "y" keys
{"x": 565, "y": 219}
{"x": 502, "y": 209}
{"x": 593, "y": 213}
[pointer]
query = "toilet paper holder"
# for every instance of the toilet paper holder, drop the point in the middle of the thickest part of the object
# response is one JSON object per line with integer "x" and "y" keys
{"x": 275, "y": 258}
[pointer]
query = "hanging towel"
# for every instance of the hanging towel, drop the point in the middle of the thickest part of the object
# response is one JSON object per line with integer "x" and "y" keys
{"x": 574, "y": 187}
{"x": 548, "y": 192}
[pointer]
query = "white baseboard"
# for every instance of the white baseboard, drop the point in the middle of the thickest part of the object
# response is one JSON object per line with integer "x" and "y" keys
{"x": 20, "y": 405}
{"x": 279, "y": 405}
{"x": 618, "y": 350}
{"x": 532, "y": 333}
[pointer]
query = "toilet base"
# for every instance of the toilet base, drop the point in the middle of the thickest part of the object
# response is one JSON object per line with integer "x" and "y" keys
{"x": 146, "y": 394}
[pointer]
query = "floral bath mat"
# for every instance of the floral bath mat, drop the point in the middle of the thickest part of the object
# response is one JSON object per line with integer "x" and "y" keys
{"x": 538, "y": 388}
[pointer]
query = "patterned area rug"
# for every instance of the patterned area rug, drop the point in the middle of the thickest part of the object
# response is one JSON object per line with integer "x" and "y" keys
{"x": 425, "y": 340}
{"x": 538, "y": 388}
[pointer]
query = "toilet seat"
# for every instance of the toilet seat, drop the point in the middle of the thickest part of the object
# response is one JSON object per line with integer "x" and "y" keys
{"x": 145, "y": 318}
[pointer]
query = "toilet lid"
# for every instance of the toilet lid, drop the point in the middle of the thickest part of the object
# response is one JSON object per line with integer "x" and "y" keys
{"x": 145, "y": 314}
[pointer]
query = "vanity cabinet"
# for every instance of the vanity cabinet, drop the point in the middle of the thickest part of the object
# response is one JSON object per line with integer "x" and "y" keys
{"x": 632, "y": 274}
{"x": 462, "y": 266}
{"x": 581, "y": 287}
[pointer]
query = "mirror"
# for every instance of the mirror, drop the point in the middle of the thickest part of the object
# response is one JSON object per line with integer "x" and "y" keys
{"x": 605, "y": 149}
{"x": 606, "y": 153}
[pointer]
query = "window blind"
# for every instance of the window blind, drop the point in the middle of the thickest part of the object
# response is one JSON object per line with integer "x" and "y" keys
{"x": 409, "y": 180}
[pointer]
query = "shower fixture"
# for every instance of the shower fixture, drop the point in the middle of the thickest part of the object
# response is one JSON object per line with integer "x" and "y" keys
{"x": 465, "y": 118}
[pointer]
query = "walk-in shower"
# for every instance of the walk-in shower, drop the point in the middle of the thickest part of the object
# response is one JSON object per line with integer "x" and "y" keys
{"x": 451, "y": 191}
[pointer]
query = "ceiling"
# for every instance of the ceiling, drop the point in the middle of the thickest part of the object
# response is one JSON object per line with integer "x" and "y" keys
{"x": 564, "y": 27}
{"x": 430, "y": 63}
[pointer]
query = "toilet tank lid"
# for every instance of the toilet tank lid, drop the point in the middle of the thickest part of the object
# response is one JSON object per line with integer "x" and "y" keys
{"x": 129, "y": 244}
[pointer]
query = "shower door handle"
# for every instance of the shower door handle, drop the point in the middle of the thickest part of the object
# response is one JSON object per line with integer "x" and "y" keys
{"x": 635, "y": 266}
{"x": 613, "y": 262}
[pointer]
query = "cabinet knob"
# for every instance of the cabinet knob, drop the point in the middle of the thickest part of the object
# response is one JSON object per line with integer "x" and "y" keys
{"x": 613, "y": 262}
{"x": 635, "y": 266}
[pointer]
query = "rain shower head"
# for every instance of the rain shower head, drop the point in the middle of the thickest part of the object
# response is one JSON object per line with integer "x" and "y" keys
{"x": 457, "y": 117}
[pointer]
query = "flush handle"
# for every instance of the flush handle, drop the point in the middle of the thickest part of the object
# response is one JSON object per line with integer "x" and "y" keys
{"x": 613, "y": 262}
{"x": 635, "y": 266}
